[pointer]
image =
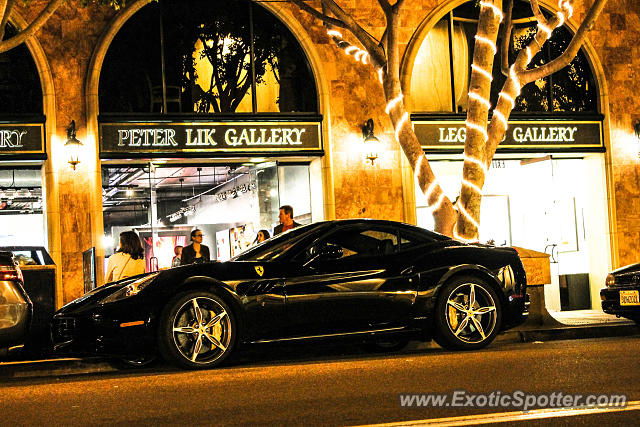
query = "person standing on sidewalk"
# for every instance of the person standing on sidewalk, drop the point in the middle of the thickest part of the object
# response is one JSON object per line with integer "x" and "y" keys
{"x": 286, "y": 220}
{"x": 196, "y": 252}
{"x": 128, "y": 260}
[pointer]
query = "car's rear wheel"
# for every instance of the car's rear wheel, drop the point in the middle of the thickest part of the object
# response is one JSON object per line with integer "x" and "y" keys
{"x": 196, "y": 330}
{"x": 467, "y": 315}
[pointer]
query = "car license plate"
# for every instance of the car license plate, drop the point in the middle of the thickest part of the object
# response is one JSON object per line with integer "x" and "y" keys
{"x": 629, "y": 298}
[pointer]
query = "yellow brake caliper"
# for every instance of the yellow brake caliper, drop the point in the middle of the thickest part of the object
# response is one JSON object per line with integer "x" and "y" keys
{"x": 453, "y": 318}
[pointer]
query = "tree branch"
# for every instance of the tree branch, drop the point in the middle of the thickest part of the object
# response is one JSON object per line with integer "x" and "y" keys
{"x": 385, "y": 5}
{"x": 506, "y": 39}
{"x": 35, "y": 25}
{"x": 319, "y": 15}
{"x": 5, "y": 11}
{"x": 571, "y": 51}
{"x": 368, "y": 42}
{"x": 535, "y": 8}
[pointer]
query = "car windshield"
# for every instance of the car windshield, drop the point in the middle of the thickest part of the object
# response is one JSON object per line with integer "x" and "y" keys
{"x": 279, "y": 245}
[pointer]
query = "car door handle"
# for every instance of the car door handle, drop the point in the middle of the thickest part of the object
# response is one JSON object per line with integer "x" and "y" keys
{"x": 407, "y": 271}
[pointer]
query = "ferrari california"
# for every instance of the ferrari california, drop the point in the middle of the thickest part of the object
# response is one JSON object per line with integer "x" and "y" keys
{"x": 380, "y": 282}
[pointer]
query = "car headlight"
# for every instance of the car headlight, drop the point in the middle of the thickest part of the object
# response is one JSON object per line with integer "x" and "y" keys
{"x": 611, "y": 280}
{"x": 130, "y": 290}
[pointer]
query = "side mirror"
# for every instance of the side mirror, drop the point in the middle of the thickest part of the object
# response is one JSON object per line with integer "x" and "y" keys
{"x": 328, "y": 252}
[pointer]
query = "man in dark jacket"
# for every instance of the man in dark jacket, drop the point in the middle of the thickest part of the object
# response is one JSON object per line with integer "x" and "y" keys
{"x": 286, "y": 220}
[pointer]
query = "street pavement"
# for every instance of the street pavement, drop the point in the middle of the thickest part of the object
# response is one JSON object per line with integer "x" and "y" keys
{"x": 580, "y": 324}
{"x": 333, "y": 388}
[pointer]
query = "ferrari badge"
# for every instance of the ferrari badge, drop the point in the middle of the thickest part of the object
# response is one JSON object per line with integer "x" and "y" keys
{"x": 259, "y": 270}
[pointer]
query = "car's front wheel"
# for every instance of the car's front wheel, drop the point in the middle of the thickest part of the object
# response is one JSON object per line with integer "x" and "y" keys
{"x": 467, "y": 315}
{"x": 196, "y": 330}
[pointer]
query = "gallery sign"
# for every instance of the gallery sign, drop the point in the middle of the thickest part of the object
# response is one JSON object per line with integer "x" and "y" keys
{"x": 16, "y": 139}
{"x": 540, "y": 134}
{"x": 209, "y": 137}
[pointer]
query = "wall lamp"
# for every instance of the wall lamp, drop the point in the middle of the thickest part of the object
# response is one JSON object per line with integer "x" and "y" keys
{"x": 72, "y": 145}
{"x": 372, "y": 144}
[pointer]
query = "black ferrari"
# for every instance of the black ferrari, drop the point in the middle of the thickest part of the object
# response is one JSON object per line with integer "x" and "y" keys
{"x": 381, "y": 282}
{"x": 621, "y": 296}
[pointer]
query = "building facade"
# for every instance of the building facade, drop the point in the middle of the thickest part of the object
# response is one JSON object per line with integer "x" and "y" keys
{"x": 168, "y": 145}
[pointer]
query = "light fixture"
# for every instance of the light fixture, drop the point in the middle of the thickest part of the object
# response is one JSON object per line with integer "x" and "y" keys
{"x": 372, "y": 143}
{"x": 72, "y": 145}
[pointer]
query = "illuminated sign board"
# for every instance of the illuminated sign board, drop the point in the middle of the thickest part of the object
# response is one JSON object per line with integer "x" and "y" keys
{"x": 540, "y": 134}
{"x": 21, "y": 139}
{"x": 210, "y": 137}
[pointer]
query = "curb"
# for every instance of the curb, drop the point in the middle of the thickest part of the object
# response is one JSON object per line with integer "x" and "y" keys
{"x": 54, "y": 367}
{"x": 91, "y": 365}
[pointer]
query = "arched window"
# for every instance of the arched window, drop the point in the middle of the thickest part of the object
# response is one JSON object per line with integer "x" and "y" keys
{"x": 441, "y": 71}
{"x": 20, "y": 90}
{"x": 205, "y": 56}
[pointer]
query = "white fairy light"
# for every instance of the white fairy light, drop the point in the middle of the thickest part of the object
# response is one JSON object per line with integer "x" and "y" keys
{"x": 508, "y": 98}
{"x": 466, "y": 214}
{"x": 482, "y": 71}
{"x": 437, "y": 204}
{"x": 561, "y": 19}
{"x": 364, "y": 57}
{"x": 478, "y": 128}
{"x": 431, "y": 189}
{"x": 502, "y": 119}
{"x": 545, "y": 29}
{"x": 416, "y": 171}
{"x": 480, "y": 99}
{"x": 459, "y": 237}
{"x": 529, "y": 56}
{"x": 403, "y": 120}
{"x": 564, "y": 4}
{"x": 514, "y": 77}
{"x": 472, "y": 186}
{"x": 476, "y": 162}
{"x": 489, "y": 42}
{"x": 334, "y": 33}
{"x": 358, "y": 55}
{"x": 496, "y": 9}
{"x": 391, "y": 104}
{"x": 380, "y": 75}
{"x": 350, "y": 49}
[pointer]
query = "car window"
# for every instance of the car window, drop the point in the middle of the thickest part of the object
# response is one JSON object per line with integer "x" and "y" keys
{"x": 358, "y": 241}
{"x": 278, "y": 246}
{"x": 410, "y": 240}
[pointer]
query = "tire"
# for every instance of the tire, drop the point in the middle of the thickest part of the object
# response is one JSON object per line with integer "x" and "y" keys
{"x": 463, "y": 326}
{"x": 195, "y": 341}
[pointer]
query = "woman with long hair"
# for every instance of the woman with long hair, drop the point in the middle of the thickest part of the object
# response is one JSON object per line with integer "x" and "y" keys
{"x": 128, "y": 260}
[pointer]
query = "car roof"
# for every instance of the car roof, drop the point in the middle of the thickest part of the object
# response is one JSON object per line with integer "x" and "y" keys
{"x": 371, "y": 221}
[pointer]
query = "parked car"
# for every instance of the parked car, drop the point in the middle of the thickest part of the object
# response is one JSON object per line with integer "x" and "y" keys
{"x": 15, "y": 306}
{"x": 39, "y": 276}
{"x": 382, "y": 281}
{"x": 620, "y": 296}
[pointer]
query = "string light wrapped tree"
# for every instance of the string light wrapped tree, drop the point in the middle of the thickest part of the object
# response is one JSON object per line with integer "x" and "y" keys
{"x": 461, "y": 221}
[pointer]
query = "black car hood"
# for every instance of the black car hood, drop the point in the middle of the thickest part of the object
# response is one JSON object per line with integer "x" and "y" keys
{"x": 627, "y": 269}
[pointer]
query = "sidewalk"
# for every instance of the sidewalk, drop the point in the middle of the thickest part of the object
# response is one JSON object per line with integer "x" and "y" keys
{"x": 562, "y": 326}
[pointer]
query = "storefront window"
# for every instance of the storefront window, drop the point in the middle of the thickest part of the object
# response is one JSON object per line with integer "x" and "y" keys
{"x": 20, "y": 91}
{"x": 205, "y": 57}
{"x": 21, "y": 207}
{"x": 440, "y": 78}
{"x": 229, "y": 203}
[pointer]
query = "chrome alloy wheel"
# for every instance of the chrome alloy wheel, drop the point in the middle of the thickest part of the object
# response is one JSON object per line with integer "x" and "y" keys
{"x": 471, "y": 313}
{"x": 201, "y": 330}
